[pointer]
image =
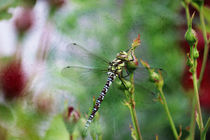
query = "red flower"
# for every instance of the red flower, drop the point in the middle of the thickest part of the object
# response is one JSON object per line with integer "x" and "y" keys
{"x": 13, "y": 80}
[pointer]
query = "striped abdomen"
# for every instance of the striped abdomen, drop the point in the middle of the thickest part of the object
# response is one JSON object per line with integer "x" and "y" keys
{"x": 109, "y": 81}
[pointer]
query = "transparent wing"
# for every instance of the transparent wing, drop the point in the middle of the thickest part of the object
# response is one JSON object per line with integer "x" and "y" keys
{"x": 82, "y": 72}
{"x": 79, "y": 55}
{"x": 146, "y": 93}
{"x": 141, "y": 74}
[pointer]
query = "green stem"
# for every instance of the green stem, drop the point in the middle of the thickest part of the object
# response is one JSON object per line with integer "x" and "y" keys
{"x": 197, "y": 98}
{"x": 192, "y": 122}
{"x": 132, "y": 109}
{"x": 135, "y": 122}
{"x": 203, "y": 136}
{"x": 197, "y": 101}
{"x": 168, "y": 114}
{"x": 206, "y": 48}
{"x": 187, "y": 14}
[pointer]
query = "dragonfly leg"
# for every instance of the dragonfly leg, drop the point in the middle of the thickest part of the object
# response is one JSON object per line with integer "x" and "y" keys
{"x": 127, "y": 73}
{"x": 124, "y": 84}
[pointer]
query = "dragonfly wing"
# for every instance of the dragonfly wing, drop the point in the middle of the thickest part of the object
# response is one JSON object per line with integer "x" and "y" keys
{"x": 83, "y": 56}
{"x": 146, "y": 91}
{"x": 78, "y": 73}
{"x": 141, "y": 74}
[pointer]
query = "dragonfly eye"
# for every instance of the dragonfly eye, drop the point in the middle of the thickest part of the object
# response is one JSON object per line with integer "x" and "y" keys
{"x": 122, "y": 55}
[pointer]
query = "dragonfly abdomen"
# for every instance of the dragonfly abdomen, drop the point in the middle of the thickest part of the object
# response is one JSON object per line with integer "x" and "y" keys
{"x": 109, "y": 81}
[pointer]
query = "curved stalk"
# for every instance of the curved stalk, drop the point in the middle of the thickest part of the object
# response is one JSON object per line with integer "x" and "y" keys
{"x": 168, "y": 114}
{"x": 206, "y": 47}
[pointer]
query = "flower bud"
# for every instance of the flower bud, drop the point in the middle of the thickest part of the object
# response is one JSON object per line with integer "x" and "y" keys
{"x": 154, "y": 76}
{"x": 24, "y": 21}
{"x": 189, "y": 60}
{"x": 195, "y": 53}
{"x": 191, "y": 36}
{"x": 132, "y": 65}
{"x": 71, "y": 118}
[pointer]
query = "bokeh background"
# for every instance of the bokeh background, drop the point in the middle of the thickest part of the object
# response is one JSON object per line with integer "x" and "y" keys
{"x": 39, "y": 101}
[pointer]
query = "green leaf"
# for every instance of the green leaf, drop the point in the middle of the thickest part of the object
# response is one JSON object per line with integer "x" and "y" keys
{"x": 57, "y": 130}
{"x": 5, "y": 5}
{"x": 5, "y": 15}
{"x": 6, "y": 114}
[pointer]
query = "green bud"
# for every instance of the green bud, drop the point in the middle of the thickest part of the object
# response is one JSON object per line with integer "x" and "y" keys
{"x": 189, "y": 61}
{"x": 154, "y": 76}
{"x": 125, "y": 85}
{"x": 195, "y": 53}
{"x": 191, "y": 70}
{"x": 191, "y": 36}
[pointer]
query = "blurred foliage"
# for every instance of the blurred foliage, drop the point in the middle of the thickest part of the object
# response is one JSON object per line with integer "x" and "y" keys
{"x": 6, "y": 4}
{"x": 207, "y": 17}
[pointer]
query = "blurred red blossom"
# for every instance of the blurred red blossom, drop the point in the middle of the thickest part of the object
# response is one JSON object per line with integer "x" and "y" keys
{"x": 13, "y": 80}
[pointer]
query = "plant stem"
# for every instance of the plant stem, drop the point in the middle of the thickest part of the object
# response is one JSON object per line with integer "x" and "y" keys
{"x": 168, "y": 114}
{"x": 203, "y": 136}
{"x": 132, "y": 109}
{"x": 206, "y": 48}
{"x": 192, "y": 122}
{"x": 196, "y": 83}
{"x": 197, "y": 101}
{"x": 71, "y": 136}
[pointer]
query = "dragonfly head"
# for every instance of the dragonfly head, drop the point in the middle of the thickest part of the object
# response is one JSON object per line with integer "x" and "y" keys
{"x": 122, "y": 56}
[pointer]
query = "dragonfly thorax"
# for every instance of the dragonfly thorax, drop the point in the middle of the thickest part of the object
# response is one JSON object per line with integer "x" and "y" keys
{"x": 116, "y": 66}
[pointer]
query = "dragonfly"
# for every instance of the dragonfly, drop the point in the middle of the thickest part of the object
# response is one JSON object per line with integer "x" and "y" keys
{"x": 125, "y": 61}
